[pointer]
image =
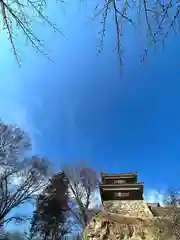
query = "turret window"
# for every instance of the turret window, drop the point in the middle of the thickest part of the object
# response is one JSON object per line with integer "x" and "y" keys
{"x": 122, "y": 194}
{"x": 119, "y": 181}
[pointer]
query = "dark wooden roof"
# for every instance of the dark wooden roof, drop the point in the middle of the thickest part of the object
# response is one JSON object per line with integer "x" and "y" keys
{"x": 117, "y": 187}
{"x": 119, "y": 175}
{"x": 139, "y": 184}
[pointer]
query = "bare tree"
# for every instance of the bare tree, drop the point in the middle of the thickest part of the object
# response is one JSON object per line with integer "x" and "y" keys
{"x": 19, "y": 185}
{"x": 69, "y": 194}
{"x": 14, "y": 143}
{"x": 157, "y": 19}
{"x": 21, "y": 178}
{"x": 83, "y": 183}
{"x": 18, "y": 17}
{"x": 167, "y": 221}
{"x": 172, "y": 201}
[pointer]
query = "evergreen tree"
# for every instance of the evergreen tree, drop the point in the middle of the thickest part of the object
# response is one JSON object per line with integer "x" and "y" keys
{"x": 49, "y": 219}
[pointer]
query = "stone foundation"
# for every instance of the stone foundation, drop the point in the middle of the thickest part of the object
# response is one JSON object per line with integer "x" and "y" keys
{"x": 109, "y": 226}
{"x": 137, "y": 208}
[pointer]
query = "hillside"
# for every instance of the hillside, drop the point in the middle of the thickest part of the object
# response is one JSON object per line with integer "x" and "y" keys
{"x": 109, "y": 226}
{"x": 129, "y": 220}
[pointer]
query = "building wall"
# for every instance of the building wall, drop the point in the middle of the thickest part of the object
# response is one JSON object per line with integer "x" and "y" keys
{"x": 114, "y": 181}
{"x": 131, "y": 208}
{"x": 113, "y": 195}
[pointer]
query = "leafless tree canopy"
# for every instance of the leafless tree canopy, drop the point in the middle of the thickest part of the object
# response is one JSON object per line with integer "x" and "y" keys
{"x": 157, "y": 19}
{"x": 83, "y": 183}
{"x": 18, "y": 186}
{"x": 18, "y": 17}
{"x": 172, "y": 201}
{"x": 13, "y": 144}
{"x": 25, "y": 179}
{"x": 21, "y": 179}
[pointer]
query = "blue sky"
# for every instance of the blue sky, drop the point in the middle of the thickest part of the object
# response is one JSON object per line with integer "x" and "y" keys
{"x": 81, "y": 108}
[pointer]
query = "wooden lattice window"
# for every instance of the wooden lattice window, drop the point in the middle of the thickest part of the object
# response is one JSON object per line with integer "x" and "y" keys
{"x": 122, "y": 194}
{"x": 119, "y": 181}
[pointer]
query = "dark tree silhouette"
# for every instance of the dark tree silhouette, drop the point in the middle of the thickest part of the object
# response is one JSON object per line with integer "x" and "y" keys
{"x": 50, "y": 217}
{"x": 69, "y": 194}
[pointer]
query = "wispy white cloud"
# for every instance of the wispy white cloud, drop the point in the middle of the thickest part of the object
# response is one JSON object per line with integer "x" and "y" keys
{"x": 15, "y": 113}
{"x": 154, "y": 196}
{"x": 96, "y": 200}
{"x": 14, "y": 109}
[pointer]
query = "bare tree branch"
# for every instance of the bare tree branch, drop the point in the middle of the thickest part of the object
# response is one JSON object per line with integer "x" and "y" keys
{"x": 18, "y": 186}
{"x": 13, "y": 145}
{"x": 156, "y": 17}
{"x": 83, "y": 183}
{"x": 21, "y": 179}
{"x": 18, "y": 17}
{"x": 172, "y": 200}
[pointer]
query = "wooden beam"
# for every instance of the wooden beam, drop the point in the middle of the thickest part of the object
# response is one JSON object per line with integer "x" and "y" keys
{"x": 121, "y": 189}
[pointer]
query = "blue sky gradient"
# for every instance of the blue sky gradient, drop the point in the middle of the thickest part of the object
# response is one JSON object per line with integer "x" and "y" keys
{"x": 81, "y": 108}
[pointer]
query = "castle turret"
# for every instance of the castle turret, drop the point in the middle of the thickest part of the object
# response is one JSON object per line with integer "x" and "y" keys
{"x": 121, "y": 187}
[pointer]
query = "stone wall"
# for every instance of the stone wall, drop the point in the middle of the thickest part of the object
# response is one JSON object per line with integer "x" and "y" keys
{"x": 109, "y": 226}
{"x": 131, "y": 208}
